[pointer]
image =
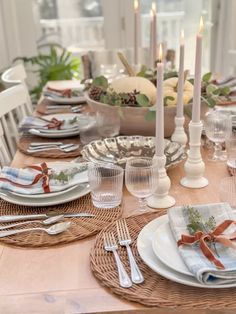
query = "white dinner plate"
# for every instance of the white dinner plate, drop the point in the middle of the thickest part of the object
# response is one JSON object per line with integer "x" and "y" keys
{"x": 43, "y": 195}
{"x": 66, "y": 84}
{"x": 74, "y": 194}
{"x": 66, "y": 100}
{"x": 165, "y": 248}
{"x": 82, "y": 122}
{"x": 144, "y": 245}
{"x": 60, "y": 197}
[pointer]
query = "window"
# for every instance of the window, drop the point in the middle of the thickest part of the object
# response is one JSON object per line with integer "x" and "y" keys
{"x": 72, "y": 24}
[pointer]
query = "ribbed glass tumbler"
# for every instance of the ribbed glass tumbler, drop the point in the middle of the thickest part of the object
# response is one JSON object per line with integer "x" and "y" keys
{"x": 106, "y": 183}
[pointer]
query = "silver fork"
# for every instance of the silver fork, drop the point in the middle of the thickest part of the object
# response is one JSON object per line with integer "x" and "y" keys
{"x": 125, "y": 240}
{"x": 110, "y": 245}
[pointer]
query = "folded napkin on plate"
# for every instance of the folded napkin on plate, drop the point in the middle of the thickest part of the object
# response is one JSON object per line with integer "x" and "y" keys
{"x": 63, "y": 93}
{"x": 37, "y": 123}
{"x": 36, "y": 181}
{"x": 203, "y": 269}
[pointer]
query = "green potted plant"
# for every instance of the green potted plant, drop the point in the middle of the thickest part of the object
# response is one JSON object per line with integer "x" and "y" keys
{"x": 58, "y": 64}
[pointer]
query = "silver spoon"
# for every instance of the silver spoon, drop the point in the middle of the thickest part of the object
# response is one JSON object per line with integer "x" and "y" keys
{"x": 54, "y": 229}
{"x": 48, "y": 221}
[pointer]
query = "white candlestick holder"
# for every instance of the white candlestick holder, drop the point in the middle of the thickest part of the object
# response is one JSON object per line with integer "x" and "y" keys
{"x": 161, "y": 198}
{"x": 179, "y": 134}
{"x": 194, "y": 166}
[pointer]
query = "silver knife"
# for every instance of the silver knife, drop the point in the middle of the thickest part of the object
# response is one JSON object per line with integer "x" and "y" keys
{"x": 11, "y": 218}
{"x": 45, "y": 143}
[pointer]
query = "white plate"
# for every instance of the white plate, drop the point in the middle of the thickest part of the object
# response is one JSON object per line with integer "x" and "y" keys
{"x": 49, "y": 199}
{"x": 74, "y": 194}
{"x": 165, "y": 248}
{"x": 83, "y": 120}
{"x": 66, "y": 100}
{"x": 144, "y": 245}
{"x": 66, "y": 84}
{"x": 43, "y": 195}
{"x": 70, "y": 84}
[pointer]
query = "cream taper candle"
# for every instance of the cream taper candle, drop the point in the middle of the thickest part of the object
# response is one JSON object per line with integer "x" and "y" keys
{"x": 151, "y": 41}
{"x": 180, "y": 99}
{"x": 136, "y": 27}
{"x": 160, "y": 107}
{"x": 197, "y": 76}
{"x": 154, "y": 33}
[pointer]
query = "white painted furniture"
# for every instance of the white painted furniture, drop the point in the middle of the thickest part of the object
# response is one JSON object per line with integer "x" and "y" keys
{"x": 13, "y": 101}
{"x": 17, "y": 75}
{"x": 5, "y": 157}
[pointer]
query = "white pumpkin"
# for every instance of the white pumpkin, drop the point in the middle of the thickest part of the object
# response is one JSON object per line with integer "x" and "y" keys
{"x": 140, "y": 84}
{"x": 170, "y": 89}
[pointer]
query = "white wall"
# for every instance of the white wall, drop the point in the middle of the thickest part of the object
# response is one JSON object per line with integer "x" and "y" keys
{"x": 17, "y": 30}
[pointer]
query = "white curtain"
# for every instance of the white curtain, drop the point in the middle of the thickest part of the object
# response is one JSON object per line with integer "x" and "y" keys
{"x": 224, "y": 43}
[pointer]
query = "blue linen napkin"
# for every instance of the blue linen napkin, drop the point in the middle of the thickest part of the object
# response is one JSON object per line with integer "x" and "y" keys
{"x": 205, "y": 271}
{"x": 27, "y": 175}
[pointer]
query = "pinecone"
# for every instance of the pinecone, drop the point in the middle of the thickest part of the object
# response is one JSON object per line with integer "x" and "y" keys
{"x": 95, "y": 93}
{"x": 130, "y": 100}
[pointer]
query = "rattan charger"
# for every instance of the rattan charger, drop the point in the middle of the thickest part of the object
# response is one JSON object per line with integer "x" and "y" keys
{"x": 80, "y": 227}
{"x": 26, "y": 140}
{"x": 156, "y": 291}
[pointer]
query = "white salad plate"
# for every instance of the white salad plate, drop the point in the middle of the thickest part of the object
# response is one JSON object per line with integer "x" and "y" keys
{"x": 71, "y": 193}
{"x": 165, "y": 248}
{"x": 70, "y": 84}
{"x": 75, "y": 130}
{"x": 144, "y": 245}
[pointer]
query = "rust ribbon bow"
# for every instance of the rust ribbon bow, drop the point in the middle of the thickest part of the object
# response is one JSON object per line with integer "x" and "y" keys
{"x": 215, "y": 236}
{"x": 43, "y": 175}
{"x": 54, "y": 124}
{"x": 64, "y": 92}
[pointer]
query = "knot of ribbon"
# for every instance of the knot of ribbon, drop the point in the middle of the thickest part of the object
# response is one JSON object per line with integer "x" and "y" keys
{"x": 54, "y": 124}
{"x": 64, "y": 92}
{"x": 43, "y": 175}
{"x": 215, "y": 236}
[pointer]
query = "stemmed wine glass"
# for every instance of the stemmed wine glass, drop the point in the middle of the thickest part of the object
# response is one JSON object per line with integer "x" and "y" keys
{"x": 141, "y": 177}
{"x": 217, "y": 125}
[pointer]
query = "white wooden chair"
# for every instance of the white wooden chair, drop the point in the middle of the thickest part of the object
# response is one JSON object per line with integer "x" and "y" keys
{"x": 11, "y": 99}
{"x": 17, "y": 75}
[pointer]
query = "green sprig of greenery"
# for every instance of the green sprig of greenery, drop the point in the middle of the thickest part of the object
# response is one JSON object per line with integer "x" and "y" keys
{"x": 196, "y": 222}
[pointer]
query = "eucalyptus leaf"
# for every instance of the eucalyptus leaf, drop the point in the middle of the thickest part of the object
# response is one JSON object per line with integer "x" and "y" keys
{"x": 100, "y": 81}
{"x": 142, "y": 100}
{"x": 210, "y": 89}
{"x": 225, "y": 91}
{"x": 206, "y": 77}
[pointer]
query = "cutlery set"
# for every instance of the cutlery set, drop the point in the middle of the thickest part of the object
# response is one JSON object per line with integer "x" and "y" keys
{"x": 41, "y": 147}
{"x": 51, "y": 219}
{"x": 111, "y": 245}
{"x": 55, "y": 108}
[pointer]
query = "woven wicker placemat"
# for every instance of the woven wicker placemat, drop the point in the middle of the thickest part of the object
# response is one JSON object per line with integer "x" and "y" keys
{"x": 26, "y": 140}
{"x": 156, "y": 291}
{"x": 80, "y": 228}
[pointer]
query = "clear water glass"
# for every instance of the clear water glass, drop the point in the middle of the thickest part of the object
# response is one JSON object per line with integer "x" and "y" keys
{"x": 106, "y": 183}
{"x": 108, "y": 123}
{"x": 110, "y": 71}
{"x": 141, "y": 179}
{"x": 216, "y": 126}
{"x": 228, "y": 191}
{"x": 89, "y": 132}
{"x": 231, "y": 145}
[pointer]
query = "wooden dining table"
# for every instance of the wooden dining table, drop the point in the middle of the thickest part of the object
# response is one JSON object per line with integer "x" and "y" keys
{"x": 59, "y": 280}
